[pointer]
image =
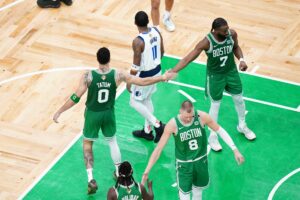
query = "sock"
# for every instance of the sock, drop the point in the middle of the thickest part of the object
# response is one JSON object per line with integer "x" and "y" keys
{"x": 148, "y": 103}
{"x": 141, "y": 108}
{"x": 183, "y": 196}
{"x": 197, "y": 193}
{"x": 240, "y": 108}
{"x": 115, "y": 152}
{"x": 90, "y": 174}
{"x": 214, "y": 112}
{"x": 147, "y": 127}
{"x": 167, "y": 14}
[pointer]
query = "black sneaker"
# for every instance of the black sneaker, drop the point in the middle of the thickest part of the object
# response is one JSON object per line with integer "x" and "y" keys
{"x": 92, "y": 187}
{"x": 67, "y": 2}
{"x": 48, "y": 3}
{"x": 142, "y": 134}
{"x": 159, "y": 131}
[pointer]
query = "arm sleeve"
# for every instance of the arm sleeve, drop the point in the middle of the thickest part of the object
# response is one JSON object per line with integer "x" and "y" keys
{"x": 226, "y": 138}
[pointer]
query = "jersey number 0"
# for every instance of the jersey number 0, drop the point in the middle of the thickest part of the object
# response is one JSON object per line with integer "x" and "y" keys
{"x": 103, "y": 95}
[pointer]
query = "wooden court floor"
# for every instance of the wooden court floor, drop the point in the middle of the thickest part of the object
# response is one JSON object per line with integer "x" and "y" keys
{"x": 66, "y": 39}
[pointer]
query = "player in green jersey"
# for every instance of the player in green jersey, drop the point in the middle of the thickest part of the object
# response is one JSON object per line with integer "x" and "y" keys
{"x": 190, "y": 149}
{"x": 221, "y": 45}
{"x": 101, "y": 85}
{"x": 126, "y": 188}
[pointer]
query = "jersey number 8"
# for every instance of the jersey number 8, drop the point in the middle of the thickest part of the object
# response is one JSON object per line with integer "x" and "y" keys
{"x": 193, "y": 145}
{"x": 103, "y": 95}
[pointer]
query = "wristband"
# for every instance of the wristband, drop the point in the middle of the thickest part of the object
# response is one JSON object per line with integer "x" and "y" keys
{"x": 75, "y": 98}
{"x": 242, "y": 60}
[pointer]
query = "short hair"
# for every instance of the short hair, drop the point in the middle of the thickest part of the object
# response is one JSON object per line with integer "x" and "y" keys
{"x": 187, "y": 105}
{"x": 103, "y": 55}
{"x": 141, "y": 19}
{"x": 218, "y": 22}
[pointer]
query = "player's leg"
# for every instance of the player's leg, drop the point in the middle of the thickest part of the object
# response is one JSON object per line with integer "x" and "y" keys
{"x": 140, "y": 107}
{"x": 108, "y": 128}
{"x": 184, "y": 172}
{"x": 215, "y": 85}
{"x": 234, "y": 87}
{"x": 155, "y": 12}
{"x": 90, "y": 133}
{"x": 200, "y": 177}
{"x": 170, "y": 26}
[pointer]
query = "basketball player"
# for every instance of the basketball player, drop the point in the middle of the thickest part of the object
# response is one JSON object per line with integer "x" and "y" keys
{"x": 53, "y": 3}
{"x": 221, "y": 45}
{"x": 190, "y": 149}
{"x": 101, "y": 85}
{"x": 126, "y": 188}
{"x": 148, "y": 50}
{"x": 170, "y": 26}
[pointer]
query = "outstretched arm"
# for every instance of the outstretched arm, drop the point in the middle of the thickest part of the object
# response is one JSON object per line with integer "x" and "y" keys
{"x": 238, "y": 51}
{"x": 202, "y": 45}
{"x": 111, "y": 194}
{"x": 74, "y": 98}
{"x": 147, "y": 195}
{"x": 169, "y": 129}
{"x": 207, "y": 120}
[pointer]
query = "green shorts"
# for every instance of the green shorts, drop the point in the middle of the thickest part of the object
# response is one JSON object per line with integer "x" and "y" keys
{"x": 217, "y": 83}
{"x": 192, "y": 174}
{"x": 94, "y": 121}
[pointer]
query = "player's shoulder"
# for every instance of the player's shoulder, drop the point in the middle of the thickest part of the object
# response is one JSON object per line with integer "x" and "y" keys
{"x": 233, "y": 32}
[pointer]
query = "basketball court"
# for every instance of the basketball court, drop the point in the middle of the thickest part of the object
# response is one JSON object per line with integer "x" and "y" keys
{"x": 44, "y": 52}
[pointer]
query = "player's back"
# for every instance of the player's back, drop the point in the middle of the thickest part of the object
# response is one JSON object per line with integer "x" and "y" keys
{"x": 132, "y": 192}
{"x": 101, "y": 91}
{"x": 151, "y": 56}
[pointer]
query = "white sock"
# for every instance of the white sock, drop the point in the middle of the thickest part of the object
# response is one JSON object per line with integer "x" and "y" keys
{"x": 115, "y": 152}
{"x": 183, "y": 196}
{"x": 167, "y": 14}
{"x": 141, "y": 108}
{"x": 240, "y": 108}
{"x": 197, "y": 193}
{"x": 214, "y": 112}
{"x": 90, "y": 174}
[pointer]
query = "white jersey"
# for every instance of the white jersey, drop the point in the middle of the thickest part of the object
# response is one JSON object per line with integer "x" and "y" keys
{"x": 150, "y": 63}
{"x": 151, "y": 56}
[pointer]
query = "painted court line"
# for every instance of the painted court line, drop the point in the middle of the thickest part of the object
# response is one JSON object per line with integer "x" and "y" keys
{"x": 246, "y": 98}
{"x": 187, "y": 95}
{"x": 275, "y": 188}
{"x": 121, "y": 89}
{"x": 11, "y": 5}
{"x": 251, "y": 74}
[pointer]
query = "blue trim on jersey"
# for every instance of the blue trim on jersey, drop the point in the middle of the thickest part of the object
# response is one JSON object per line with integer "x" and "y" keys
{"x": 149, "y": 73}
{"x": 149, "y": 29}
{"x": 141, "y": 38}
{"x": 156, "y": 29}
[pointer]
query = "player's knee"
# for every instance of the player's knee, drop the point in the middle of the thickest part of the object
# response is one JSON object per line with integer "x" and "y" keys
{"x": 155, "y": 4}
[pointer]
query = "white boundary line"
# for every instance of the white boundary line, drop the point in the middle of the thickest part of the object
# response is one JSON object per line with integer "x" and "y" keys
{"x": 251, "y": 74}
{"x": 11, "y": 5}
{"x": 246, "y": 98}
{"x": 275, "y": 188}
{"x": 187, "y": 95}
{"x": 122, "y": 87}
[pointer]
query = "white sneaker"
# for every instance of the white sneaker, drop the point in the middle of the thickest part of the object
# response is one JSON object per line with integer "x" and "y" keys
{"x": 214, "y": 142}
{"x": 250, "y": 135}
{"x": 170, "y": 26}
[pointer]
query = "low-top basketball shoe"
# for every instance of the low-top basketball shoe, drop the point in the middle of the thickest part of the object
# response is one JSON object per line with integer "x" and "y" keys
{"x": 67, "y": 2}
{"x": 48, "y": 3}
{"x": 92, "y": 187}
{"x": 143, "y": 134}
{"x": 159, "y": 131}
{"x": 214, "y": 142}
{"x": 167, "y": 21}
{"x": 248, "y": 133}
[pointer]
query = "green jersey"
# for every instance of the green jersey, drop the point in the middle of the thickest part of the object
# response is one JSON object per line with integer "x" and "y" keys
{"x": 220, "y": 55}
{"x": 190, "y": 140}
{"x": 102, "y": 91}
{"x": 133, "y": 192}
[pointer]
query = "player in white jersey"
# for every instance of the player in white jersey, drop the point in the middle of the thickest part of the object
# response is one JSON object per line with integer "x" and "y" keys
{"x": 148, "y": 50}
